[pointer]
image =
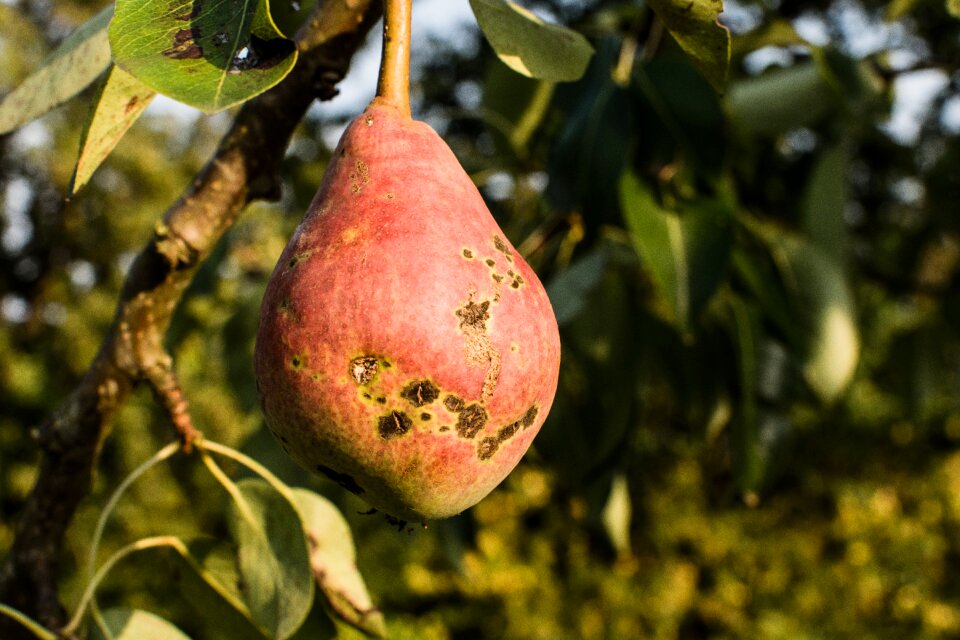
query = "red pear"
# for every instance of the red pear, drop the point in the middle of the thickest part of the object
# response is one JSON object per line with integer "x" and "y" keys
{"x": 405, "y": 350}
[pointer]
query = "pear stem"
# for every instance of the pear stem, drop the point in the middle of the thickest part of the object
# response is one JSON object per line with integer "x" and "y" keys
{"x": 393, "y": 87}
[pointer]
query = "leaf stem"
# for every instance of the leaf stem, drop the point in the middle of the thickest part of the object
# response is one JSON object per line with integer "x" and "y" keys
{"x": 393, "y": 86}
{"x": 33, "y": 626}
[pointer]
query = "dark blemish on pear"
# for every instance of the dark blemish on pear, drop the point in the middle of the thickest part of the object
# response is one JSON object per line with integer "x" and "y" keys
{"x": 296, "y": 362}
{"x": 394, "y": 425}
{"x": 345, "y": 480}
{"x": 472, "y": 419}
{"x": 425, "y": 416}
{"x": 487, "y": 447}
{"x": 382, "y": 399}
{"x": 468, "y": 254}
{"x": 420, "y": 392}
{"x": 363, "y": 369}
{"x": 490, "y": 445}
{"x": 502, "y": 247}
{"x": 453, "y": 403}
{"x": 444, "y": 428}
{"x": 298, "y": 258}
{"x": 474, "y": 315}
{"x": 491, "y": 262}
{"x": 529, "y": 417}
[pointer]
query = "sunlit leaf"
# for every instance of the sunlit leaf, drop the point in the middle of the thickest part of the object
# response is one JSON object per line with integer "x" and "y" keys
{"x": 118, "y": 104}
{"x": 273, "y": 559}
{"x": 617, "y": 514}
{"x": 136, "y": 624}
{"x": 333, "y": 559}
{"x": 825, "y": 304}
{"x": 694, "y": 25}
{"x": 686, "y": 252}
{"x": 71, "y": 68}
{"x": 530, "y": 46}
{"x": 207, "y": 55}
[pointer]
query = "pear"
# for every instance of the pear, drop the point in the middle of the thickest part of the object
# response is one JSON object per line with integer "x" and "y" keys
{"x": 405, "y": 350}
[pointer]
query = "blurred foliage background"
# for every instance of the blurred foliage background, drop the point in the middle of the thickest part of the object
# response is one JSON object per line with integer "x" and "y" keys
{"x": 757, "y": 430}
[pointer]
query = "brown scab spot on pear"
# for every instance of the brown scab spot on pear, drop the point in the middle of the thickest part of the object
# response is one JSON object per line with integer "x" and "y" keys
{"x": 359, "y": 177}
{"x": 474, "y": 315}
{"x": 425, "y": 416}
{"x": 491, "y": 262}
{"x": 453, "y": 403}
{"x": 487, "y": 447}
{"x": 345, "y": 480}
{"x": 393, "y": 425}
{"x": 529, "y": 417}
{"x": 471, "y": 420}
{"x": 420, "y": 392}
{"x": 297, "y": 362}
{"x": 297, "y": 259}
{"x": 468, "y": 254}
{"x": 502, "y": 247}
{"x": 364, "y": 369}
{"x": 478, "y": 349}
{"x": 496, "y": 277}
{"x": 444, "y": 428}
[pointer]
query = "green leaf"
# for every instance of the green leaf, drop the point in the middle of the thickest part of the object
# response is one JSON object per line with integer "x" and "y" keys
{"x": 289, "y": 15}
{"x": 686, "y": 252}
{"x": 120, "y": 101}
{"x": 207, "y": 578}
{"x": 694, "y": 25}
{"x": 71, "y": 68}
{"x": 825, "y": 306}
{"x": 333, "y": 559}
{"x": 824, "y": 199}
{"x": 569, "y": 289}
{"x": 209, "y": 55}
{"x": 747, "y": 459}
{"x": 136, "y": 624}
{"x": 272, "y": 557}
{"x": 530, "y": 46}
{"x": 514, "y": 106}
{"x": 781, "y": 99}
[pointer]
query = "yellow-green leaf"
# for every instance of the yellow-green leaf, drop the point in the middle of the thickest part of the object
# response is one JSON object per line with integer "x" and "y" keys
{"x": 120, "y": 101}
{"x": 695, "y": 26}
{"x": 70, "y": 69}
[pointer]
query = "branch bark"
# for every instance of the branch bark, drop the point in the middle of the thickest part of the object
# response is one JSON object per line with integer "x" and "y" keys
{"x": 244, "y": 167}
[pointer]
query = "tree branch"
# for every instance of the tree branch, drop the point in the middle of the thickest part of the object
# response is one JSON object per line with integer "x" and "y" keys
{"x": 244, "y": 167}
